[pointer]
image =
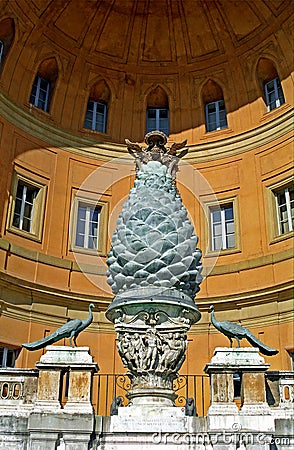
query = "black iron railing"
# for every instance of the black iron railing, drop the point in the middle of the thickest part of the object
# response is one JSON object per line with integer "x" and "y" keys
{"x": 108, "y": 386}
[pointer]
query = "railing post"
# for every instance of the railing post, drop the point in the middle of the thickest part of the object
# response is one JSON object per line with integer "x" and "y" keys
{"x": 76, "y": 421}
{"x": 223, "y": 412}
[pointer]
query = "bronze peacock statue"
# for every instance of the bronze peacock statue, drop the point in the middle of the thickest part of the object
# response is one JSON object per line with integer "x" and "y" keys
{"x": 69, "y": 330}
{"x": 235, "y": 331}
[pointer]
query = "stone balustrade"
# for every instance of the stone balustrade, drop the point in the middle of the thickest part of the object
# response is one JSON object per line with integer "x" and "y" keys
{"x": 18, "y": 387}
{"x": 280, "y": 393}
{"x": 32, "y": 416}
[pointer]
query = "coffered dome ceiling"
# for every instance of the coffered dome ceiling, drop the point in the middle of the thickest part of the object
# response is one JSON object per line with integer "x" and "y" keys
{"x": 127, "y": 48}
{"x": 145, "y": 34}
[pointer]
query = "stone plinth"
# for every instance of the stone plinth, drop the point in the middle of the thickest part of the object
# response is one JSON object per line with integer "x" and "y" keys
{"x": 48, "y": 431}
{"x": 223, "y": 411}
{"x": 49, "y": 385}
{"x": 58, "y": 360}
{"x": 166, "y": 427}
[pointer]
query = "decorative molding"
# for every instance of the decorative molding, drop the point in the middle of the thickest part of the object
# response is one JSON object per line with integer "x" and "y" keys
{"x": 62, "y": 263}
{"x": 279, "y": 294}
{"x": 32, "y": 292}
{"x": 222, "y": 148}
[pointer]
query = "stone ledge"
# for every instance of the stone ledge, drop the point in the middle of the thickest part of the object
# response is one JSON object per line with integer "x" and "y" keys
{"x": 67, "y": 264}
{"x": 104, "y": 151}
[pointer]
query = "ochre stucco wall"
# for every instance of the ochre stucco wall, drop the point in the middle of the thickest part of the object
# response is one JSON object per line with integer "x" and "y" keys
{"x": 41, "y": 283}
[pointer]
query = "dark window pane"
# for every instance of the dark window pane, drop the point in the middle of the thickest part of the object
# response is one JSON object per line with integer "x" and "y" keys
{"x": 28, "y": 210}
{"x": 216, "y": 215}
{"x": 10, "y": 358}
{"x": 26, "y": 225}
{"x": 211, "y": 108}
{"x": 163, "y": 113}
{"x": 17, "y": 206}
{"x": 34, "y": 91}
{"x": 94, "y": 214}
{"x": 229, "y": 213}
{"x": 19, "y": 191}
{"x": 16, "y": 220}
{"x": 31, "y": 194}
{"x": 101, "y": 108}
{"x": 151, "y": 113}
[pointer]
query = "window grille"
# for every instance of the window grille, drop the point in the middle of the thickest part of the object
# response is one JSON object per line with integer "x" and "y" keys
{"x": 285, "y": 209}
{"x": 40, "y": 93}
{"x": 157, "y": 119}
{"x": 87, "y": 229}
{"x": 8, "y": 356}
{"x": 96, "y": 116}
{"x": 222, "y": 227}
{"x": 216, "y": 117}
{"x": 274, "y": 94}
{"x": 24, "y": 206}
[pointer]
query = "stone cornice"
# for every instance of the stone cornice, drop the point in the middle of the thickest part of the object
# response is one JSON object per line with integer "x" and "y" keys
{"x": 105, "y": 151}
{"x": 67, "y": 264}
{"x": 48, "y": 295}
{"x": 251, "y": 263}
{"x": 280, "y": 294}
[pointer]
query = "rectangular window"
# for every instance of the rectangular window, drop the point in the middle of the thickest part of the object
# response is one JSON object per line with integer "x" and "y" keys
{"x": 157, "y": 119}
{"x": 8, "y": 356}
{"x": 285, "y": 209}
{"x": 222, "y": 227}
{"x": 40, "y": 93}
{"x": 87, "y": 231}
{"x": 27, "y": 207}
{"x": 89, "y": 225}
{"x": 96, "y": 116}
{"x": 24, "y": 206}
{"x": 216, "y": 117}
{"x": 274, "y": 94}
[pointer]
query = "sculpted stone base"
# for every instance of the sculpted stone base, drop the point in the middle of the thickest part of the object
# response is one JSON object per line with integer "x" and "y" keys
{"x": 152, "y": 342}
{"x": 151, "y": 397}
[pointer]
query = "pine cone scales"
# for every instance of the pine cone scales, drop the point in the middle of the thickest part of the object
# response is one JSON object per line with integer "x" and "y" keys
{"x": 154, "y": 243}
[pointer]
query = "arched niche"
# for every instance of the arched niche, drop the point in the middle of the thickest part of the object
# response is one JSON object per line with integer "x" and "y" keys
{"x": 7, "y": 32}
{"x": 157, "y": 111}
{"x": 157, "y": 98}
{"x": 44, "y": 84}
{"x": 214, "y": 106}
{"x": 269, "y": 83}
{"x": 100, "y": 92}
{"x": 211, "y": 92}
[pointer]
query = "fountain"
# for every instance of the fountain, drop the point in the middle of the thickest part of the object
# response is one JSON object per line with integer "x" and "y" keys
{"x": 154, "y": 270}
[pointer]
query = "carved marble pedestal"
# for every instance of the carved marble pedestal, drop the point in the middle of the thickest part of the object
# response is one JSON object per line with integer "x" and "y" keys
{"x": 152, "y": 330}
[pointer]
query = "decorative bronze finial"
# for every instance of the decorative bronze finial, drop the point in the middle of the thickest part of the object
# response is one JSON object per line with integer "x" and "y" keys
{"x": 157, "y": 151}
